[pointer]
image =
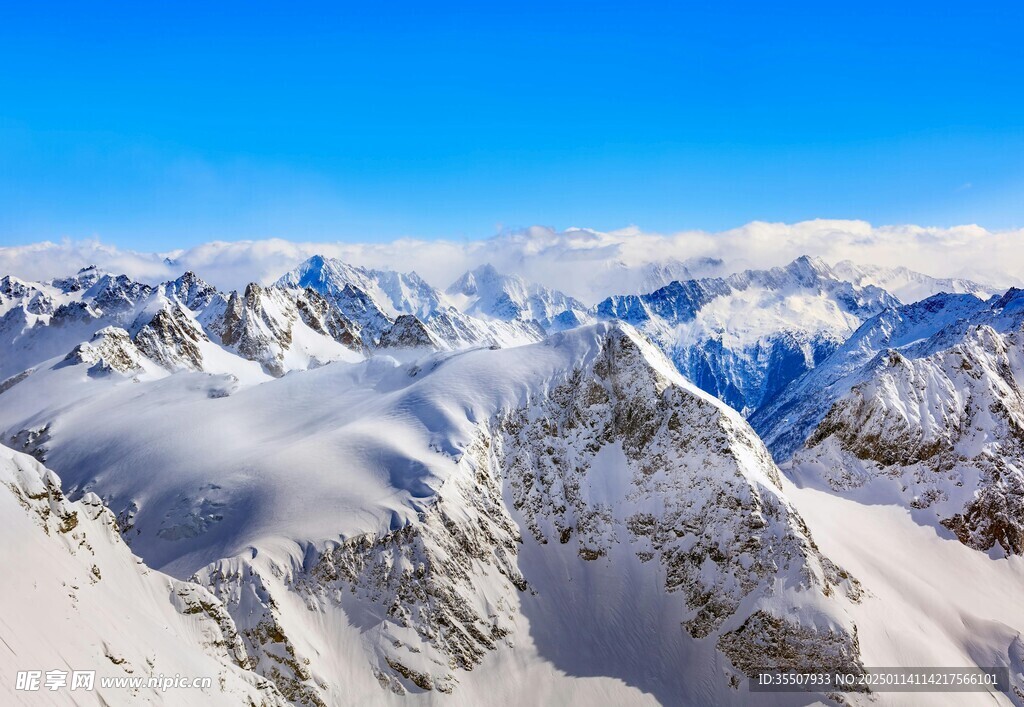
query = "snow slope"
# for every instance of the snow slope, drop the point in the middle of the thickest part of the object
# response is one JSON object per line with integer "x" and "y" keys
{"x": 930, "y": 601}
{"x": 95, "y": 606}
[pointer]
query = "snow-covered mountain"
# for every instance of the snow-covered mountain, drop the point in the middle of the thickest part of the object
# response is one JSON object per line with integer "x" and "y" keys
{"x": 788, "y": 420}
{"x": 617, "y": 277}
{"x": 42, "y": 320}
{"x": 486, "y": 293}
{"x": 384, "y": 528}
{"x": 744, "y": 337}
{"x": 910, "y": 286}
{"x": 393, "y": 293}
{"x": 349, "y": 487}
{"x": 923, "y": 407}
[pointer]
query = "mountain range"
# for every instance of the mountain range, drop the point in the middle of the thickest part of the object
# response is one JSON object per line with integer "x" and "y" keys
{"x": 351, "y": 487}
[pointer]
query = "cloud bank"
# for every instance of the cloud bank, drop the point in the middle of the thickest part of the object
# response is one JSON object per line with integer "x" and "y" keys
{"x": 588, "y": 264}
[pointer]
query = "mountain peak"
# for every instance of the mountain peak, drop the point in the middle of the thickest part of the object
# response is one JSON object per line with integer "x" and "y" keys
{"x": 192, "y": 291}
{"x": 808, "y": 268}
{"x": 471, "y": 281}
{"x": 1012, "y": 297}
{"x": 82, "y": 280}
{"x": 325, "y": 275}
{"x": 487, "y": 272}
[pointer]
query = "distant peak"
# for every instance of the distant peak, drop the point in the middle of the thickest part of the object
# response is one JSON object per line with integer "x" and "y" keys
{"x": 809, "y": 267}
{"x": 486, "y": 269}
{"x": 483, "y": 273}
{"x": 471, "y": 280}
{"x": 811, "y": 261}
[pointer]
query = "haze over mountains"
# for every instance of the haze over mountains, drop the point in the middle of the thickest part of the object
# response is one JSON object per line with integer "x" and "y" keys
{"x": 376, "y": 489}
{"x": 585, "y": 263}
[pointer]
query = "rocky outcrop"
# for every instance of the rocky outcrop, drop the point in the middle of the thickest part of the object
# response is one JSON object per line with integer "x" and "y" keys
{"x": 171, "y": 339}
{"x": 193, "y": 292}
{"x": 408, "y": 332}
{"x": 442, "y": 589}
{"x": 112, "y": 295}
{"x": 14, "y": 291}
{"x": 321, "y": 317}
{"x": 111, "y": 349}
{"x": 697, "y": 492}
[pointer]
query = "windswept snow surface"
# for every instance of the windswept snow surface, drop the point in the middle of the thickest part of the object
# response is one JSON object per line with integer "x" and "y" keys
{"x": 331, "y": 453}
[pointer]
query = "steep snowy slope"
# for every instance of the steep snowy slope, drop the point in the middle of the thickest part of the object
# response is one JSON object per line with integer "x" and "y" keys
{"x": 931, "y": 601}
{"x": 571, "y": 516}
{"x": 743, "y": 338}
{"x": 910, "y": 286}
{"x": 76, "y": 598}
{"x": 485, "y": 292}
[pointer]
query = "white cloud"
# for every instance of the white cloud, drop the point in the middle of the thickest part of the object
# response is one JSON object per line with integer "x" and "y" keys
{"x": 583, "y": 262}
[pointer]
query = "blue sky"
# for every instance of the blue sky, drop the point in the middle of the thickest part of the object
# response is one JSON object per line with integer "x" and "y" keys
{"x": 162, "y": 125}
